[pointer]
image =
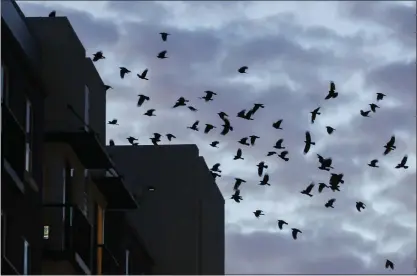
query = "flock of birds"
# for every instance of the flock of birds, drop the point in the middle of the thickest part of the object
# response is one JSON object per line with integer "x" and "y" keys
{"x": 325, "y": 163}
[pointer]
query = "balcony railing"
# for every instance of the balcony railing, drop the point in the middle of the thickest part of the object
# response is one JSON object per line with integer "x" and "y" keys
{"x": 109, "y": 264}
{"x": 66, "y": 229}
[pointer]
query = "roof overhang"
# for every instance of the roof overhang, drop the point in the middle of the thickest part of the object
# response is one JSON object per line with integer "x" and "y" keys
{"x": 117, "y": 195}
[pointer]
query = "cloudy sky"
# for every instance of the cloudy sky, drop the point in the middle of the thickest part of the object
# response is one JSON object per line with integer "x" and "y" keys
{"x": 293, "y": 50}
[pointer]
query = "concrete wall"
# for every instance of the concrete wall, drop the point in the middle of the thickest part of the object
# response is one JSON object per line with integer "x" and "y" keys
{"x": 97, "y": 100}
{"x": 170, "y": 219}
{"x": 63, "y": 60}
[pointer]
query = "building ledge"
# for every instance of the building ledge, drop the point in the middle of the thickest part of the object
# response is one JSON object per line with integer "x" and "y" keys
{"x": 86, "y": 146}
{"x": 117, "y": 195}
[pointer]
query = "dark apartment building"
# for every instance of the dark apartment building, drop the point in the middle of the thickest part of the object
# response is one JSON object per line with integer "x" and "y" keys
{"x": 181, "y": 210}
{"x": 67, "y": 206}
{"x": 58, "y": 181}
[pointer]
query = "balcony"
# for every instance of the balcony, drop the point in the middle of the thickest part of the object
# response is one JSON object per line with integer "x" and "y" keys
{"x": 12, "y": 261}
{"x": 67, "y": 236}
{"x": 108, "y": 262}
{"x": 117, "y": 195}
{"x": 13, "y": 149}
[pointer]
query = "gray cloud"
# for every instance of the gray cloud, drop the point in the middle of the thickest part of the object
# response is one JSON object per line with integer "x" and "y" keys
{"x": 290, "y": 65}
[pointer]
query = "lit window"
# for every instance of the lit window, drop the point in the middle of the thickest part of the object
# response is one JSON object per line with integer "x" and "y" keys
{"x": 25, "y": 257}
{"x": 127, "y": 262}
{"x": 46, "y": 232}
{"x": 86, "y": 107}
{"x": 28, "y": 158}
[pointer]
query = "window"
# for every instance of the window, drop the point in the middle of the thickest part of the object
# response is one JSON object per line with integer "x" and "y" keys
{"x": 86, "y": 107}
{"x": 28, "y": 129}
{"x": 4, "y": 84}
{"x": 127, "y": 262}
{"x": 84, "y": 208}
{"x": 25, "y": 257}
{"x": 46, "y": 232}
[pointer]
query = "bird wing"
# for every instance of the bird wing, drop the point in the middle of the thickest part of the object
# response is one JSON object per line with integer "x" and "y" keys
{"x": 260, "y": 168}
{"x": 294, "y": 234}
{"x": 404, "y": 160}
{"x": 144, "y": 73}
{"x": 392, "y": 140}
{"x": 308, "y": 137}
{"x": 331, "y": 201}
{"x": 332, "y": 86}
{"x": 239, "y": 152}
{"x": 122, "y": 73}
{"x": 309, "y": 188}
{"x": 236, "y": 186}
{"x": 307, "y": 148}
{"x": 266, "y": 178}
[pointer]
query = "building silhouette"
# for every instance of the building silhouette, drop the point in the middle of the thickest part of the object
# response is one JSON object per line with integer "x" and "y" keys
{"x": 67, "y": 206}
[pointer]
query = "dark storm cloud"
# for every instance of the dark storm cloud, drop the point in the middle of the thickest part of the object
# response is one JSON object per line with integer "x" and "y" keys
{"x": 92, "y": 31}
{"x": 398, "y": 18}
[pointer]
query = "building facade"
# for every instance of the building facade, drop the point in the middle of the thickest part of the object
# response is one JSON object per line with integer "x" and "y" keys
{"x": 58, "y": 181}
{"x": 181, "y": 210}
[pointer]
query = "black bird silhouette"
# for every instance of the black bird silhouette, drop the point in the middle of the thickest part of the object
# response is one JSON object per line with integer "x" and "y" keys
{"x": 308, "y": 142}
{"x": 162, "y": 55}
{"x": 307, "y": 191}
{"x": 365, "y": 113}
{"x": 154, "y": 141}
{"x": 164, "y": 36}
{"x": 253, "y": 139}
{"x": 245, "y": 115}
{"x": 238, "y": 182}
{"x": 142, "y": 99}
{"x": 107, "y": 87}
{"x": 334, "y": 187}
{"x": 113, "y": 122}
{"x": 295, "y": 232}
{"x": 215, "y": 175}
{"x": 157, "y": 136}
{"x": 226, "y": 127}
{"x": 214, "y": 144}
{"x": 265, "y": 180}
{"x": 270, "y": 153}
{"x": 258, "y": 213}
{"x": 98, "y": 56}
{"x": 150, "y": 113}
{"x": 52, "y": 14}
{"x": 222, "y": 115}
{"x": 283, "y": 155}
{"x": 256, "y": 107}
{"x": 170, "y": 136}
{"x": 238, "y": 155}
{"x": 373, "y": 163}
{"x": 329, "y": 203}
{"x": 360, "y": 205}
{"x": 243, "y": 69}
{"x": 402, "y": 163}
{"x": 244, "y": 141}
{"x": 389, "y": 264}
{"x": 215, "y": 168}
{"x": 209, "y": 96}
{"x": 330, "y": 129}
{"x": 208, "y": 128}
{"x": 236, "y": 196}
{"x": 277, "y": 124}
{"x": 180, "y": 102}
{"x": 131, "y": 139}
{"x": 336, "y": 178}
{"x": 278, "y": 144}
{"x": 314, "y": 114}
{"x": 261, "y": 167}
{"x": 192, "y": 108}
{"x": 390, "y": 145}
{"x": 123, "y": 72}
{"x": 380, "y": 96}
{"x": 281, "y": 223}
{"x": 322, "y": 186}
{"x": 143, "y": 75}
{"x": 111, "y": 142}
{"x": 326, "y": 163}
{"x": 194, "y": 126}
{"x": 373, "y": 107}
{"x": 332, "y": 91}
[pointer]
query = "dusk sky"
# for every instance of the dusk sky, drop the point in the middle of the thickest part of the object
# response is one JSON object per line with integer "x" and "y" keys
{"x": 293, "y": 50}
